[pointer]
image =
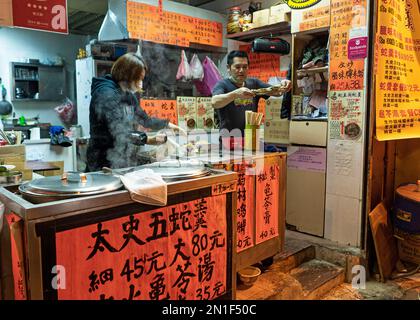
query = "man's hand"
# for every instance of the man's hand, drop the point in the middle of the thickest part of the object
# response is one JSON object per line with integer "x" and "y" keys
{"x": 285, "y": 86}
{"x": 158, "y": 139}
{"x": 177, "y": 129}
{"x": 243, "y": 93}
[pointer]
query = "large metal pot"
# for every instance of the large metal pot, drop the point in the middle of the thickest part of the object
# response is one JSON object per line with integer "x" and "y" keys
{"x": 69, "y": 185}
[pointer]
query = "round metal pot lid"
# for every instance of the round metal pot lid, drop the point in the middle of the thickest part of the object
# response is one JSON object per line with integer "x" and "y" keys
{"x": 73, "y": 183}
{"x": 179, "y": 169}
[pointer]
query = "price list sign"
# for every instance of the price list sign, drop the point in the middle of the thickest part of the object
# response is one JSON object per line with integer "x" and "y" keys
{"x": 172, "y": 253}
{"x": 397, "y": 70}
{"x": 345, "y": 74}
{"x": 147, "y": 22}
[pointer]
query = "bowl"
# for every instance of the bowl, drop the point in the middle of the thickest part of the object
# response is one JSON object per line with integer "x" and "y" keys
{"x": 249, "y": 275}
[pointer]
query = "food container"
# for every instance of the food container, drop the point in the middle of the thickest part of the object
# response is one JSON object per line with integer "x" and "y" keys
{"x": 10, "y": 177}
{"x": 407, "y": 208}
{"x": 234, "y": 25}
{"x": 69, "y": 185}
{"x": 249, "y": 275}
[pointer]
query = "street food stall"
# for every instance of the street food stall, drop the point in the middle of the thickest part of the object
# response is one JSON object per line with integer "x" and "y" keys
{"x": 83, "y": 237}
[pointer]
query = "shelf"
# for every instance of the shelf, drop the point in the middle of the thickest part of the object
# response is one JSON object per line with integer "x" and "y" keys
{"x": 301, "y": 72}
{"x": 26, "y": 80}
{"x": 272, "y": 29}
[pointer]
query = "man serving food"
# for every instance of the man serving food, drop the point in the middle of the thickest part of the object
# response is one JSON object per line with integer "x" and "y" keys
{"x": 238, "y": 93}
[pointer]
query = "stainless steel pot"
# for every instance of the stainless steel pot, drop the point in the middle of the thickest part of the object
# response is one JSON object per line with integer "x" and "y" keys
{"x": 10, "y": 177}
{"x": 69, "y": 185}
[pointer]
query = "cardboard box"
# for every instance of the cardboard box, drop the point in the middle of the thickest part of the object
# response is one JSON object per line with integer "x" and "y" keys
{"x": 261, "y": 18}
{"x": 12, "y": 153}
{"x": 280, "y": 13}
{"x": 280, "y": 9}
{"x": 276, "y": 131}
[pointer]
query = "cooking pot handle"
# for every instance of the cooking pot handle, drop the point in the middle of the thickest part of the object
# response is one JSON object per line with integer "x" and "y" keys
{"x": 74, "y": 176}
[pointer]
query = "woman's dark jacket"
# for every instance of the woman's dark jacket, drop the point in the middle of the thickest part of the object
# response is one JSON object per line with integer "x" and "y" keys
{"x": 113, "y": 114}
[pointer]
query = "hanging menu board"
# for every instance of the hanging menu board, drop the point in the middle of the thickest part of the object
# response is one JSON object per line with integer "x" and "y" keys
{"x": 347, "y": 17}
{"x": 263, "y": 65}
{"x": 171, "y": 253}
{"x": 147, "y": 22}
{"x": 397, "y": 70}
{"x": 162, "y": 109}
{"x": 310, "y": 15}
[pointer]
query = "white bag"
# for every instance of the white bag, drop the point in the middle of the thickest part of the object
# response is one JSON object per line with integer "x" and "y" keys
{"x": 196, "y": 67}
{"x": 184, "y": 70}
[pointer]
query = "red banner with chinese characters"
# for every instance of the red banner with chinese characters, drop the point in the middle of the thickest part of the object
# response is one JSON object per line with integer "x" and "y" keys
{"x": 18, "y": 260}
{"x": 42, "y": 15}
{"x": 145, "y": 22}
{"x": 162, "y": 109}
{"x": 267, "y": 204}
{"x": 176, "y": 252}
{"x": 244, "y": 209}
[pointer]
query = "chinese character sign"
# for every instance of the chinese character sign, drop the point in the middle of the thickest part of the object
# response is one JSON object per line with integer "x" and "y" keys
{"x": 18, "y": 261}
{"x": 177, "y": 252}
{"x": 398, "y": 68}
{"x": 267, "y": 204}
{"x": 244, "y": 209}
{"x": 150, "y": 23}
{"x": 41, "y": 15}
{"x": 162, "y": 109}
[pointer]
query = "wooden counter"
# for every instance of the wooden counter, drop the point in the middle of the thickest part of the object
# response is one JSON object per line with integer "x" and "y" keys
{"x": 261, "y": 204}
{"x": 109, "y": 247}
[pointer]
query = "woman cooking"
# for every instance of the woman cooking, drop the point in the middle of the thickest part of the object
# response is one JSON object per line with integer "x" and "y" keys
{"x": 116, "y": 116}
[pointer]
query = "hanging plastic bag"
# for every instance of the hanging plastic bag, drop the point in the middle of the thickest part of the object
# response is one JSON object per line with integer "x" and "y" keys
{"x": 66, "y": 111}
{"x": 211, "y": 77}
{"x": 197, "y": 71}
{"x": 184, "y": 70}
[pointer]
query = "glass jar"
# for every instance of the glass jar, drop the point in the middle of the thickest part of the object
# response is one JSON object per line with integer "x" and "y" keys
{"x": 233, "y": 25}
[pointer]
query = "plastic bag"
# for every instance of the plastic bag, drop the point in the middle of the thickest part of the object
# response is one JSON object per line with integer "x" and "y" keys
{"x": 197, "y": 71}
{"x": 146, "y": 186}
{"x": 211, "y": 77}
{"x": 184, "y": 70}
{"x": 66, "y": 111}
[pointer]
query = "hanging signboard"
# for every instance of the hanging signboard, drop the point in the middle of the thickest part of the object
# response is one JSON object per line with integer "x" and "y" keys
{"x": 171, "y": 253}
{"x": 41, "y": 15}
{"x": 397, "y": 70}
{"x": 146, "y": 23}
{"x": 309, "y": 15}
{"x": 6, "y": 13}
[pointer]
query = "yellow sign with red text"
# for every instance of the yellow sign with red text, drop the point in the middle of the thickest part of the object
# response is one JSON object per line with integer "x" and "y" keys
{"x": 397, "y": 56}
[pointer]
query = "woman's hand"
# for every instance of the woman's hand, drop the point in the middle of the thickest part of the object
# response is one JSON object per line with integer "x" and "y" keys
{"x": 177, "y": 129}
